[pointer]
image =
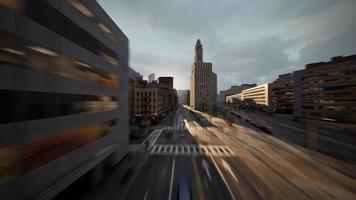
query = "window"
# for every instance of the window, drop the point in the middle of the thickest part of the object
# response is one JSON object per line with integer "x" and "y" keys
{"x": 22, "y": 53}
{"x": 36, "y": 153}
{"x": 86, "y": 12}
{"x": 15, "y": 5}
{"x": 19, "y": 106}
{"x": 51, "y": 18}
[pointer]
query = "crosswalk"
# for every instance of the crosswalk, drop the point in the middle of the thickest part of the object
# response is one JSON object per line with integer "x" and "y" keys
{"x": 181, "y": 128}
{"x": 192, "y": 150}
{"x": 175, "y": 128}
{"x": 197, "y": 128}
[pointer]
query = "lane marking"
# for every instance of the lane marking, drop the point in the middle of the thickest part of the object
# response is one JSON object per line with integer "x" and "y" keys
{"x": 144, "y": 198}
{"x": 159, "y": 134}
{"x": 195, "y": 150}
{"x": 148, "y": 137}
{"x": 228, "y": 168}
{"x": 154, "y": 149}
{"x": 206, "y": 167}
{"x": 197, "y": 178}
{"x": 172, "y": 176}
{"x": 223, "y": 178}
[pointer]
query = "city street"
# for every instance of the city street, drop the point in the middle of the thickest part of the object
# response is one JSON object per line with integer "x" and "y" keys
{"x": 201, "y": 156}
{"x": 177, "y": 100}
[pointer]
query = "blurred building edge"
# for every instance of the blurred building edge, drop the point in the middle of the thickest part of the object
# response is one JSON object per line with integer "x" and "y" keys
{"x": 326, "y": 90}
{"x": 282, "y": 95}
{"x": 64, "y": 94}
{"x": 151, "y": 78}
{"x": 151, "y": 102}
{"x": 183, "y": 97}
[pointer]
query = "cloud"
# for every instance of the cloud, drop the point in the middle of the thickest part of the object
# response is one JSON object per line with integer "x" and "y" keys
{"x": 253, "y": 61}
{"x": 162, "y": 66}
{"x": 329, "y": 33}
{"x": 247, "y": 41}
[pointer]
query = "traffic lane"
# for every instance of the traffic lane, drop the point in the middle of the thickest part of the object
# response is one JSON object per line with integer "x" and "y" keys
{"x": 204, "y": 181}
{"x": 269, "y": 182}
{"x": 212, "y": 182}
{"x": 238, "y": 179}
{"x": 176, "y": 137}
{"x": 240, "y": 186}
{"x": 287, "y": 174}
{"x": 152, "y": 182}
{"x": 184, "y": 169}
{"x": 298, "y": 167}
{"x": 241, "y": 189}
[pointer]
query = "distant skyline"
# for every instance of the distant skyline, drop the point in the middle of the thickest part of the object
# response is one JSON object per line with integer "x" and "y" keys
{"x": 247, "y": 41}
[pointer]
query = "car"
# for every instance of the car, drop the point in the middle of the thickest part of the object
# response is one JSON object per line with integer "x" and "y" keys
{"x": 184, "y": 192}
{"x": 181, "y": 134}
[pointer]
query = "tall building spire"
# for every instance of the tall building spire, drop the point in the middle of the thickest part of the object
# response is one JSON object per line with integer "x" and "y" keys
{"x": 198, "y": 52}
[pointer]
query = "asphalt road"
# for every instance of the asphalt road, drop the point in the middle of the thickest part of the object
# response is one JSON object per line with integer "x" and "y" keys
{"x": 201, "y": 156}
{"x": 162, "y": 174}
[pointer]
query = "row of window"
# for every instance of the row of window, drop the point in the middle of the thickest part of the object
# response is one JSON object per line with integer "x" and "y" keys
{"x": 146, "y": 94}
{"x": 46, "y": 15}
{"x": 146, "y": 100}
{"x": 19, "y": 159}
{"x": 22, "y": 53}
{"x": 77, "y": 4}
{"x": 17, "y": 106}
{"x": 145, "y": 107}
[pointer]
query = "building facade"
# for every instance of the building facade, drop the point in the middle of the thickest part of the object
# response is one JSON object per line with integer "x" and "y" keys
{"x": 297, "y": 93}
{"x": 261, "y": 94}
{"x": 234, "y": 90}
{"x": 151, "y": 78}
{"x": 64, "y": 94}
{"x": 233, "y": 98}
{"x": 282, "y": 95}
{"x": 328, "y": 90}
{"x": 151, "y": 101}
{"x": 188, "y": 97}
{"x": 182, "y": 97}
{"x": 166, "y": 81}
{"x": 203, "y": 82}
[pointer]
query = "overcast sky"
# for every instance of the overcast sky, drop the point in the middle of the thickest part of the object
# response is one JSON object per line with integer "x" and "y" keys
{"x": 248, "y": 41}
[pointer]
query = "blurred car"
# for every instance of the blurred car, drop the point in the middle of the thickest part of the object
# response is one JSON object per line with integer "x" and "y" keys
{"x": 184, "y": 192}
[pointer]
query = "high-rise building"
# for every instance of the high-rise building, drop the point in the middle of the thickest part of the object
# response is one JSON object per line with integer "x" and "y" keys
{"x": 203, "y": 82}
{"x": 165, "y": 81}
{"x": 64, "y": 95}
{"x": 151, "y": 78}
